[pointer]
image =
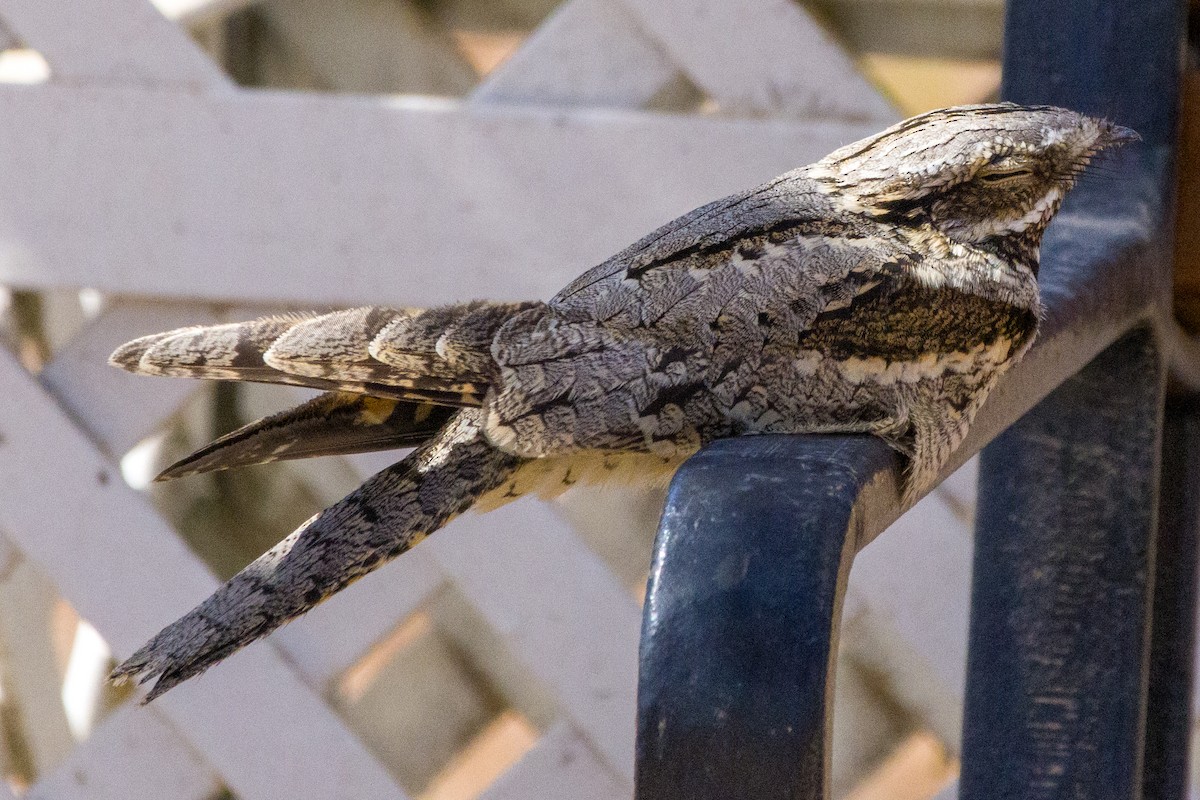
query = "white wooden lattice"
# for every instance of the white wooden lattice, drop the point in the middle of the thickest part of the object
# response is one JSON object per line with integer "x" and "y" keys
{"x": 139, "y": 170}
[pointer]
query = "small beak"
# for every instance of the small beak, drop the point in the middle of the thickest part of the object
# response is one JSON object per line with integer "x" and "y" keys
{"x": 1116, "y": 135}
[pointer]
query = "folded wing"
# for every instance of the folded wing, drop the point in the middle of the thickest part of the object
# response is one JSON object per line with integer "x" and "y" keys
{"x": 336, "y": 423}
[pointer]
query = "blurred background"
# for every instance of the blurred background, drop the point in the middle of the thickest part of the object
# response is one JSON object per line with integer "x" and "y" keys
{"x": 191, "y": 161}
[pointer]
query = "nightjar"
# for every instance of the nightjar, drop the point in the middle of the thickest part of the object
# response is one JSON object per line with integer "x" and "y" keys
{"x": 881, "y": 290}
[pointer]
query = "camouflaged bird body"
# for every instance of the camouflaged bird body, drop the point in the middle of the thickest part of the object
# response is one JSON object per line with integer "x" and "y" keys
{"x": 880, "y": 290}
{"x": 772, "y": 311}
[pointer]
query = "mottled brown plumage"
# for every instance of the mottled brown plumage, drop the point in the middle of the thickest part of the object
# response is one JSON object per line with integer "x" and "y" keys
{"x": 882, "y": 290}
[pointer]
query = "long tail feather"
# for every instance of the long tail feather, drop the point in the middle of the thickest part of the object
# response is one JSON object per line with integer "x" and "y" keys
{"x": 383, "y": 518}
{"x": 446, "y": 342}
{"x": 337, "y": 347}
{"x": 336, "y": 423}
{"x": 232, "y": 351}
{"x": 439, "y": 356}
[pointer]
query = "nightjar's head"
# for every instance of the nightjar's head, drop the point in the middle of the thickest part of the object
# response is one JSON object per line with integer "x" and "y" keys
{"x": 988, "y": 176}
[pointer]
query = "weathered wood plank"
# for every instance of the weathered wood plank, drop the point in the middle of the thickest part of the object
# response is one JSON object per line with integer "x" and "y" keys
{"x": 8, "y": 39}
{"x": 371, "y": 46}
{"x": 560, "y": 611}
{"x": 587, "y": 53}
{"x": 111, "y": 42}
{"x": 971, "y": 29}
{"x": 116, "y": 408}
{"x": 331, "y": 637}
{"x": 274, "y": 196}
{"x": 134, "y": 753}
{"x": 6, "y": 793}
{"x": 921, "y": 571}
{"x": 34, "y": 674}
{"x": 561, "y": 766}
{"x": 55, "y": 489}
{"x": 199, "y": 12}
{"x": 762, "y": 56}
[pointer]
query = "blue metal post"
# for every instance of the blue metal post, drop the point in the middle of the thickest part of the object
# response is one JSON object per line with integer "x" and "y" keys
{"x": 1169, "y": 704}
{"x": 1060, "y": 617}
{"x": 740, "y": 627}
{"x": 1060, "y": 647}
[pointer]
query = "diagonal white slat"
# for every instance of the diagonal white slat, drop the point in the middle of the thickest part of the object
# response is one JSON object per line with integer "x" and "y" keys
{"x": 199, "y": 12}
{"x": 134, "y": 753}
{"x": 116, "y": 408}
{"x": 56, "y": 488}
{"x": 951, "y": 792}
{"x": 6, "y": 792}
{"x": 8, "y": 39}
{"x": 371, "y": 46}
{"x": 761, "y": 57}
{"x": 118, "y": 42}
{"x": 264, "y": 198}
{"x": 331, "y": 637}
{"x": 564, "y": 616}
{"x": 33, "y": 674}
{"x": 561, "y": 766}
{"x": 921, "y": 571}
{"x": 559, "y": 610}
{"x": 586, "y": 53}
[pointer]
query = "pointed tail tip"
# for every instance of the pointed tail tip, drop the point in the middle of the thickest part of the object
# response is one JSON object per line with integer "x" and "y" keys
{"x": 179, "y": 469}
{"x": 197, "y": 463}
{"x": 138, "y": 671}
{"x": 160, "y": 686}
{"x": 128, "y": 669}
{"x": 131, "y": 670}
{"x": 129, "y": 355}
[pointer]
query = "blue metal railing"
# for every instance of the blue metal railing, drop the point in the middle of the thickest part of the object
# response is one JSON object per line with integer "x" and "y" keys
{"x": 1079, "y": 668}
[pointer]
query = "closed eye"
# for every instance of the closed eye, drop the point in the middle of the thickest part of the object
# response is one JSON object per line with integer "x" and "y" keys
{"x": 1004, "y": 175}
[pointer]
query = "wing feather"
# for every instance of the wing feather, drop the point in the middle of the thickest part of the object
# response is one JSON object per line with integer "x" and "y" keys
{"x": 336, "y": 423}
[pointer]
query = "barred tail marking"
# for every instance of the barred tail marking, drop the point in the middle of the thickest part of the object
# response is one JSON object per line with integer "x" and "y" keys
{"x": 381, "y": 519}
{"x": 441, "y": 355}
